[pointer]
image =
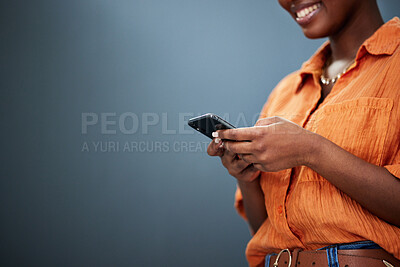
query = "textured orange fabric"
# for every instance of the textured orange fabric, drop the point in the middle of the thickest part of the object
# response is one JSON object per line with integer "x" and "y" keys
{"x": 362, "y": 115}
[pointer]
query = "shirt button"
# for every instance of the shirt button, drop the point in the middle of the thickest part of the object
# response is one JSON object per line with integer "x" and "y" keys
{"x": 280, "y": 209}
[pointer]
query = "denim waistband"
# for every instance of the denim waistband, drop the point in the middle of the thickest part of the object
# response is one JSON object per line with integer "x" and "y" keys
{"x": 354, "y": 245}
{"x": 331, "y": 251}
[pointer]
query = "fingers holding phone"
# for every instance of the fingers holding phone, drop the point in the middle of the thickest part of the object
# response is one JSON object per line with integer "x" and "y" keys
{"x": 239, "y": 168}
{"x": 208, "y": 124}
{"x": 215, "y": 149}
{"x": 236, "y": 167}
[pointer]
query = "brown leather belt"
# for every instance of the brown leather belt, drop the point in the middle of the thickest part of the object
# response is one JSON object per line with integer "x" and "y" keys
{"x": 347, "y": 258}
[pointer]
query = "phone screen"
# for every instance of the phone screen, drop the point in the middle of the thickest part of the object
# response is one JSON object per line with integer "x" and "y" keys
{"x": 209, "y": 123}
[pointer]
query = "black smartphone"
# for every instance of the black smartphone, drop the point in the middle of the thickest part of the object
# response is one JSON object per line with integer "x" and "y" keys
{"x": 209, "y": 123}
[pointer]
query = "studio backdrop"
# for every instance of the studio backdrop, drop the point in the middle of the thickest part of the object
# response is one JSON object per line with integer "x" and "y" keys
{"x": 98, "y": 165}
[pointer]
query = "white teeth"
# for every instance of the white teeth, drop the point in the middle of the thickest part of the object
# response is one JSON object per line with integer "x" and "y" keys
{"x": 305, "y": 11}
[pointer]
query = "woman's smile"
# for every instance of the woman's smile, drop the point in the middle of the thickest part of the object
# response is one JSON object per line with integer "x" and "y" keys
{"x": 305, "y": 12}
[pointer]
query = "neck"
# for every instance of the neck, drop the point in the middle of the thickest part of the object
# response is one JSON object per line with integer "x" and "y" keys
{"x": 346, "y": 42}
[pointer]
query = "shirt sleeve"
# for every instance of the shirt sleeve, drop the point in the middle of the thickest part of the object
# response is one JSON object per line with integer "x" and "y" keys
{"x": 239, "y": 203}
{"x": 238, "y": 195}
{"x": 263, "y": 114}
{"x": 395, "y": 167}
{"x": 283, "y": 85}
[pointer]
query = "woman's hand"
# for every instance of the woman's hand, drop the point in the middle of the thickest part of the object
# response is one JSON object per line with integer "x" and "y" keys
{"x": 273, "y": 144}
{"x": 238, "y": 168}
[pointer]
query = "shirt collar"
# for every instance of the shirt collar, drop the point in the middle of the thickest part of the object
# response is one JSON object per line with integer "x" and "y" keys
{"x": 317, "y": 61}
{"x": 383, "y": 42}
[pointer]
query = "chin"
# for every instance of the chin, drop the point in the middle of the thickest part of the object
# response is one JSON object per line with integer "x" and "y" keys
{"x": 313, "y": 35}
{"x": 315, "y": 32}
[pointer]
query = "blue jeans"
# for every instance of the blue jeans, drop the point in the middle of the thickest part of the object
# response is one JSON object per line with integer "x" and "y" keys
{"x": 331, "y": 251}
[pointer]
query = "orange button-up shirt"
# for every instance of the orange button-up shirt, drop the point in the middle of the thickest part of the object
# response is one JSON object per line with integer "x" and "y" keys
{"x": 362, "y": 115}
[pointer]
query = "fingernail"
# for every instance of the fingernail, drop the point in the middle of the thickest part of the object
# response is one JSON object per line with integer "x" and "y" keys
{"x": 214, "y": 134}
{"x": 217, "y": 140}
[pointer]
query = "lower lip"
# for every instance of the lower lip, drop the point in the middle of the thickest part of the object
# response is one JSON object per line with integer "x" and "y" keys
{"x": 307, "y": 19}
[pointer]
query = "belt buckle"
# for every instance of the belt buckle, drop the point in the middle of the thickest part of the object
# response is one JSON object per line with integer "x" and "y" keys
{"x": 277, "y": 257}
{"x": 387, "y": 263}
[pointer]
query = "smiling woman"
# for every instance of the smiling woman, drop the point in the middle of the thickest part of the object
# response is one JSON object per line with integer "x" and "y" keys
{"x": 305, "y": 14}
{"x": 318, "y": 175}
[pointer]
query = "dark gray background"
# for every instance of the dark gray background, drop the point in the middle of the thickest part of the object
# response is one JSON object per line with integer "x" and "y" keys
{"x": 61, "y": 206}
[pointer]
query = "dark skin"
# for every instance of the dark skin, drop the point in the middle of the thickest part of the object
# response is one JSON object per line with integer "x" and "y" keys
{"x": 271, "y": 145}
{"x": 353, "y": 23}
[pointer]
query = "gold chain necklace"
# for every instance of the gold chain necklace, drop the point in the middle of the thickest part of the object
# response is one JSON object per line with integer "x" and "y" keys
{"x": 326, "y": 81}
